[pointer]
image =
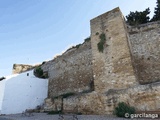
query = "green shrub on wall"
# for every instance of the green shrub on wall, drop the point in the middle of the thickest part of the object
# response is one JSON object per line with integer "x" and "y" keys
{"x": 97, "y": 33}
{"x": 54, "y": 112}
{"x": 38, "y": 72}
{"x": 100, "y": 45}
{"x": 77, "y": 46}
{"x": 87, "y": 39}
{"x": 122, "y": 109}
{"x": 43, "y": 62}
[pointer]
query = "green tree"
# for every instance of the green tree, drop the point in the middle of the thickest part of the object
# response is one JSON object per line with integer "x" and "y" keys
{"x": 156, "y": 12}
{"x": 136, "y": 18}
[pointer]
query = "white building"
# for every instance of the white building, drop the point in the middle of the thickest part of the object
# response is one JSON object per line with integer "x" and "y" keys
{"x": 20, "y": 92}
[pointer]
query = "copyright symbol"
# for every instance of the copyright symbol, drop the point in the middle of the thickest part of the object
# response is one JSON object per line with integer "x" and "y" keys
{"x": 126, "y": 115}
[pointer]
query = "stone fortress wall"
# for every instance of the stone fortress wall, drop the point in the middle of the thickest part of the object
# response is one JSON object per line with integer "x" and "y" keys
{"x": 127, "y": 70}
{"x": 70, "y": 72}
{"x": 145, "y": 49}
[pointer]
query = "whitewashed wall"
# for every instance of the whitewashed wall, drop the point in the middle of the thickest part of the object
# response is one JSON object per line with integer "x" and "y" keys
{"x": 22, "y": 92}
{"x": 2, "y": 85}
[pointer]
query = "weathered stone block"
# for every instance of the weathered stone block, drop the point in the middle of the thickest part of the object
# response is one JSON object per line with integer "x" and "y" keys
{"x": 145, "y": 49}
{"x": 19, "y": 68}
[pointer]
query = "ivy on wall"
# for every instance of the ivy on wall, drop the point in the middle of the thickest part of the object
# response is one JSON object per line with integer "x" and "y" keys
{"x": 101, "y": 43}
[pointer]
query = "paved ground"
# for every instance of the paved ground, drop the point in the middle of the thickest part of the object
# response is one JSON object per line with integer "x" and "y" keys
{"x": 5, "y": 119}
{"x": 44, "y": 116}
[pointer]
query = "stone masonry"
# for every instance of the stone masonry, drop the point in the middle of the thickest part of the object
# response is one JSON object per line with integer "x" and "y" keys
{"x": 145, "y": 49}
{"x": 112, "y": 68}
{"x": 19, "y": 68}
{"x": 71, "y": 72}
{"x": 94, "y": 82}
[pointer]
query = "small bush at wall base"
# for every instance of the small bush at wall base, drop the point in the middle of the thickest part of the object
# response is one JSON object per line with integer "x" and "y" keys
{"x": 54, "y": 112}
{"x": 122, "y": 109}
{"x": 79, "y": 113}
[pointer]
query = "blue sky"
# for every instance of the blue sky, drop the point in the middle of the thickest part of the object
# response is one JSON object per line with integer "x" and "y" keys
{"x": 32, "y": 31}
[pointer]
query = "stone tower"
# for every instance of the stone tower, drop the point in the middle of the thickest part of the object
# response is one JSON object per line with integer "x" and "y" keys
{"x": 112, "y": 68}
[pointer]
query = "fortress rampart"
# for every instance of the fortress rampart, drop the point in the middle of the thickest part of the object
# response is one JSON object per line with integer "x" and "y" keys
{"x": 127, "y": 70}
